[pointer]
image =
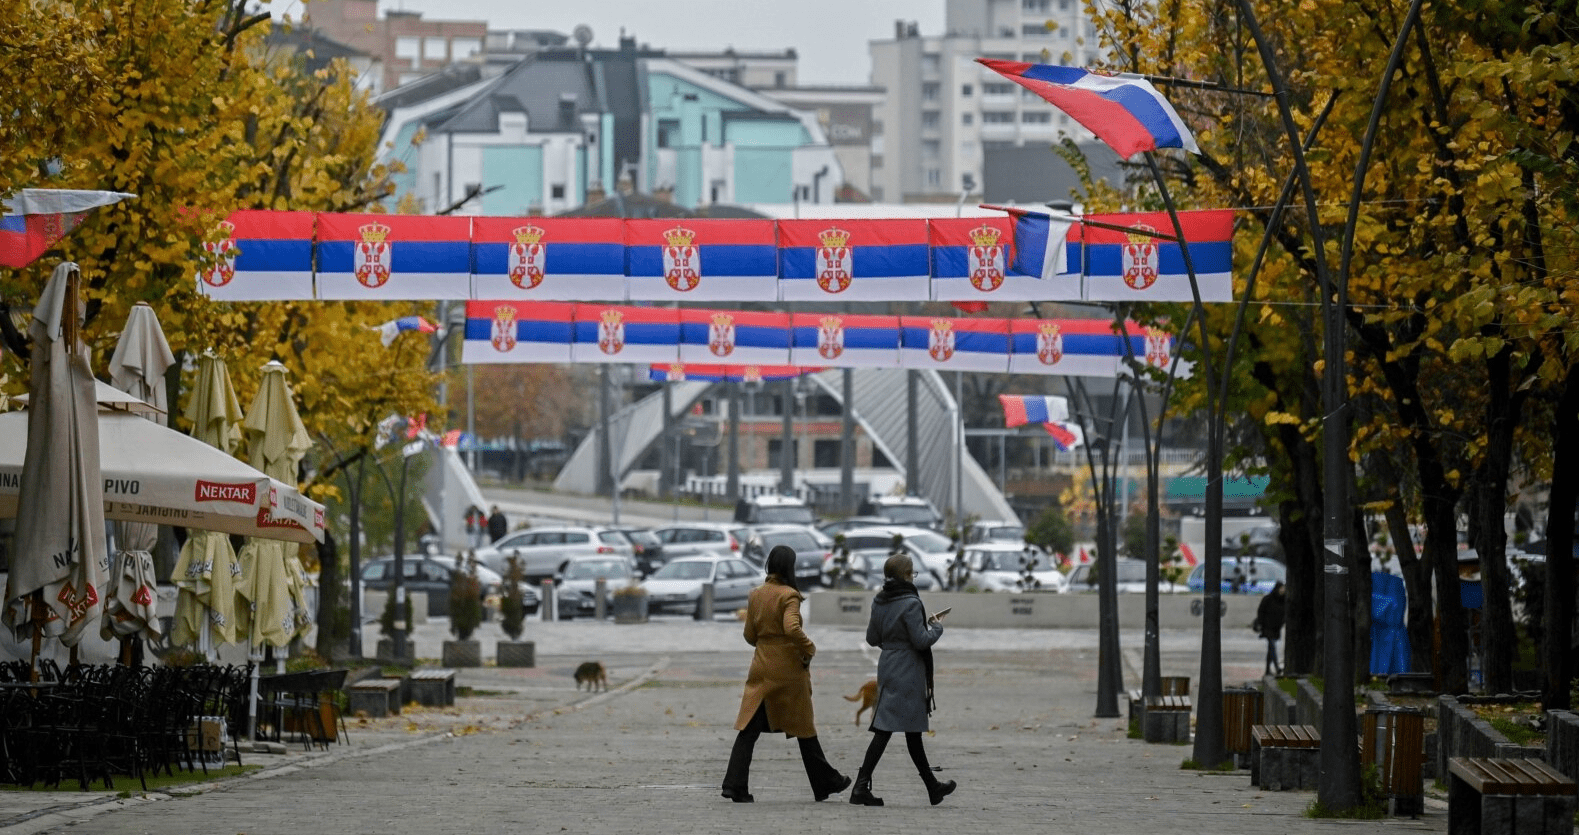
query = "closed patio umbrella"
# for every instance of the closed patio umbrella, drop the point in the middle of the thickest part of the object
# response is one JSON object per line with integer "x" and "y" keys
{"x": 56, "y": 581}
{"x": 142, "y": 355}
{"x": 275, "y": 582}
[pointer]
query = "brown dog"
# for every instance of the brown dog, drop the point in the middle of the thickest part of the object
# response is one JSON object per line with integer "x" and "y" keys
{"x": 592, "y": 674}
{"x": 867, "y": 696}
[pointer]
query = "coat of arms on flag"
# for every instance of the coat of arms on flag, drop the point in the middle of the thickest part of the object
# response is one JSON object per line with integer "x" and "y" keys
{"x": 372, "y": 255}
{"x": 676, "y": 373}
{"x": 223, "y": 255}
{"x": 940, "y": 340}
{"x": 503, "y": 333}
{"x": 611, "y": 331}
{"x": 834, "y": 260}
{"x": 527, "y": 256}
{"x": 830, "y": 337}
{"x": 721, "y": 335}
{"x": 682, "y": 262}
{"x": 984, "y": 259}
{"x": 1158, "y": 347}
{"x": 1141, "y": 263}
{"x": 1049, "y": 344}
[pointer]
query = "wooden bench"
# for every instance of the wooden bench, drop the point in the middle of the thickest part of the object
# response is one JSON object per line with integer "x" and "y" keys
{"x": 433, "y": 687}
{"x": 1508, "y": 797}
{"x": 1393, "y": 740}
{"x": 1166, "y": 719}
{"x": 1285, "y": 757}
{"x": 374, "y": 697}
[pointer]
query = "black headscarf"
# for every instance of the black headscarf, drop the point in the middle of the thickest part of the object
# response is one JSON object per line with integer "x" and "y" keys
{"x": 894, "y": 589}
{"x": 781, "y": 564}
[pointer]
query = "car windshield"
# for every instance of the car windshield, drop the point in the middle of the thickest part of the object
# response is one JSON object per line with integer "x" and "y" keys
{"x": 929, "y": 543}
{"x": 1004, "y": 561}
{"x": 642, "y": 537}
{"x": 1008, "y": 532}
{"x": 593, "y": 569}
{"x": 684, "y": 570}
{"x": 799, "y": 540}
{"x": 784, "y": 514}
{"x": 908, "y": 514}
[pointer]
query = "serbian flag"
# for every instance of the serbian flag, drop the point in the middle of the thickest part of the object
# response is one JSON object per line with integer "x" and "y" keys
{"x": 714, "y": 373}
{"x": 1067, "y": 347}
{"x": 1020, "y": 409}
{"x": 1133, "y": 265}
{"x": 542, "y": 258}
{"x": 612, "y": 333}
{"x": 259, "y": 255}
{"x": 513, "y": 331}
{"x": 701, "y": 260}
{"x": 393, "y": 257}
{"x": 971, "y": 264}
{"x": 395, "y": 327}
{"x": 35, "y": 218}
{"x": 1124, "y": 111}
{"x": 1065, "y": 434}
{"x": 844, "y": 340}
{"x": 734, "y": 336}
{"x": 854, "y": 260}
{"x": 954, "y": 344}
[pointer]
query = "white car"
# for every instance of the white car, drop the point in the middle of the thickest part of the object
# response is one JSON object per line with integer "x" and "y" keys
{"x": 995, "y": 531}
{"x": 576, "y": 587}
{"x": 543, "y": 550}
{"x": 685, "y": 539}
{"x": 934, "y": 550}
{"x": 677, "y": 587}
{"x": 1002, "y": 567}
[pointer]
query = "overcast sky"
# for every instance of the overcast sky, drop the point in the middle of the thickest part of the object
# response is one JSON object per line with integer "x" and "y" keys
{"x": 830, "y": 36}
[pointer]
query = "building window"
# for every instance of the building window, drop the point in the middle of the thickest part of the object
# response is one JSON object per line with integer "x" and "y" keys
{"x": 877, "y": 194}
{"x": 1035, "y": 118}
{"x": 930, "y": 90}
{"x": 877, "y": 161}
{"x": 1063, "y": 5}
{"x": 435, "y": 49}
{"x": 557, "y": 191}
{"x": 931, "y": 119}
{"x": 877, "y": 127}
{"x": 997, "y": 118}
{"x": 964, "y": 90}
{"x": 1038, "y": 5}
{"x": 931, "y": 63}
{"x": 778, "y": 79}
{"x": 966, "y": 118}
{"x": 1034, "y": 30}
{"x": 931, "y": 149}
{"x": 997, "y": 89}
{"x": 409, "y": 48}
{"x": 825, "y": 453}
{"x": 934, "y": 177}
{"x": 465, "y": 47}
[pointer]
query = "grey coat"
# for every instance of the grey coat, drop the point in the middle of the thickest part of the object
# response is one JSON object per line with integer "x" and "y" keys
{"x": 900, "y": 627}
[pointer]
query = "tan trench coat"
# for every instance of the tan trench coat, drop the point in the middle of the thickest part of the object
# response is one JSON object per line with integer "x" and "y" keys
{"x": 779, "y": 675}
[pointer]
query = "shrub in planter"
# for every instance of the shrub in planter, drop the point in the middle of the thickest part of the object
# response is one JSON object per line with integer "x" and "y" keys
{"x": 512, "y": 617}
{"x": 465, "y": 599}
{"x": 630, "y": 604}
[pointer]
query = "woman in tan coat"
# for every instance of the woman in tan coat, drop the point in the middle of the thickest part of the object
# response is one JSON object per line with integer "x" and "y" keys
{"x": 778, "y": 687}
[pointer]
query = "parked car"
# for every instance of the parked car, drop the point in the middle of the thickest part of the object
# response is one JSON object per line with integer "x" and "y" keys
{"x": 575, "y": 588}
{"x": 544, "y": 550}
{"x": 1131, "y": 577}
{"x": 903, "y": 510}
{"x": 433, "y": 575}
{"x": 811, "y": 548}
{"x": 932, "y": 550}
{"x": 1247, "y": 575}
{"x": 997, "y": 530}
{"x": 647, "y": 547}
{"x": 692, "y": 538}
{"x": 838, "y": 526}
{"x": 677, "y": 587}
{"x": 768, "y": 510}
{"x": 866, "y": 572}
{"x": 1000, "y": 566}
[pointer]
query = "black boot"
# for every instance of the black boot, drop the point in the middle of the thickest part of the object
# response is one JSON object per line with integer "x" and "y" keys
{"x": 936, "y": 791}
{"x": 861, "y": 795}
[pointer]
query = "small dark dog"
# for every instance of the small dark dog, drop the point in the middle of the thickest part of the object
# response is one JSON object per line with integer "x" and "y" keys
{"x": 592, "y": 674}
{"x": 867, "y": 696}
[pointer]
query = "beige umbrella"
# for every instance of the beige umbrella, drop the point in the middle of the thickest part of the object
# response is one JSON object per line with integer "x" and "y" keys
{"x": 57, "y": 572}
{"x": 275, "y": 582}
{"x": 142, "y": 355}
{"x": 207, "y": 573}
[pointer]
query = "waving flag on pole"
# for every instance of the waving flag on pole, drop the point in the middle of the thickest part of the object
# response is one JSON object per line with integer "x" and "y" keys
{"x": 1066, "y": 435}
{"x": 395, "y": 327}
{"x": 1020, "y": 409}
{"x": 1124, "y": 111}
{"x": 35, "y": 218}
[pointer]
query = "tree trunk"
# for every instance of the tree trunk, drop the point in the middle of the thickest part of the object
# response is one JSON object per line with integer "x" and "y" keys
{"x": 1360, "y": 593}
{"x": 328, "y": 595}
{"x": 1559, "y": 647}
{"x": 1300, "y": 535}
{"x": 1441, "y": 552}
{"x": 1503, "y": 409}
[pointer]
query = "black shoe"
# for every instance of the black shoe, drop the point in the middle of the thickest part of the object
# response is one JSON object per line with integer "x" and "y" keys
{"x": 937, "y": 791}
{"x": 844, "y": 783}
{"x": 861, "y": 795}
{"x": 738, "y": 795}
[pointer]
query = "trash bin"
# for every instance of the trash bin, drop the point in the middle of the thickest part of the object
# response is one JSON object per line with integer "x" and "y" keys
{"x": 1175, "y": 685}
{"x": 1241, "y": 710}
{"x": 1393, "y": 740}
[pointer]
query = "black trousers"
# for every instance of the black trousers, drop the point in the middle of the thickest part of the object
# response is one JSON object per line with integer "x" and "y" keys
{"x": 918, "y": 755}
{"x": 1272, "y": 665}
{"x": 823, "y": 777}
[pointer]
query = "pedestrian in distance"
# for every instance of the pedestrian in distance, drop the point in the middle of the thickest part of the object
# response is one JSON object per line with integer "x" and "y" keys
{"x": 904, "y": 678}
{"x": 777, "y": 695}
{"x": 476, "y": 525}
{"x": 1269, "y": 624}
{"x": 498, "y": 525}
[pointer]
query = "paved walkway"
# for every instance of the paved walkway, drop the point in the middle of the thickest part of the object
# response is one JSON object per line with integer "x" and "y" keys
{"x": 529, "y": 753}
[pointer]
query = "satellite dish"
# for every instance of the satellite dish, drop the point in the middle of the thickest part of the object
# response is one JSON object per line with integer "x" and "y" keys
{"x": 583, "y": 35}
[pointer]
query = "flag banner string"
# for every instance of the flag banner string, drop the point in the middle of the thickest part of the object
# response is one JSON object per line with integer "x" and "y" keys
{"x": 260, "y": 255}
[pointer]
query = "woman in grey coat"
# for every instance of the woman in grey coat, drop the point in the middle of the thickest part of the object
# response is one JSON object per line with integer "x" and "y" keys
{"x": 904, "y": 678}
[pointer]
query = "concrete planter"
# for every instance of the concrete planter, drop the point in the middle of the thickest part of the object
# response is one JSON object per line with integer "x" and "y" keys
{"x": 462, "y": 653}
{"x": 630, "y": 608}
{"x": 517, "y": 653}
{"x": 386, "y": 652}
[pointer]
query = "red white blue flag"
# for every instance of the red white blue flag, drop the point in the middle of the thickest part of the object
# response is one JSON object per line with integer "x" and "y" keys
{"x": 572, "y": 259}
{"x": 954, "y": 344}
{"x": 701, "y": 260}
{"x": 1065, "y": 434}
{"x": 393, "y": 257}
{"x": 1020, "y": 409}
{"x": 512, "y": 331}
{"x": 611, "y": 333}
{"x": 259, "y": 255}
{"x": 713, "y": 373}
{"x": 33, "y": 219}
{"x": 1124, "y": 111}
{"x": 854, "y": 260}
{"x": 388, "y": 331}
{"x": 1067, "y": 347}
{"x": 734, "y": 337}
{"x": 1134, "y": 265}
{"x": 844, "y": 340}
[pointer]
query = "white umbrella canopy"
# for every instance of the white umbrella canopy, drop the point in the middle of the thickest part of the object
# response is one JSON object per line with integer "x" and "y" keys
{"x": 60, "y": 549}
{"x": 207, "y": 575}
{"x": 142, "y": 355}
{"x": 274, "y": 579}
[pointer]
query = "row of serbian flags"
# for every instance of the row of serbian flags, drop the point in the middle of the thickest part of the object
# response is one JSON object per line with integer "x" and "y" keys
{"x": 564, "y": 332}
{"x": 260, "y": 255}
